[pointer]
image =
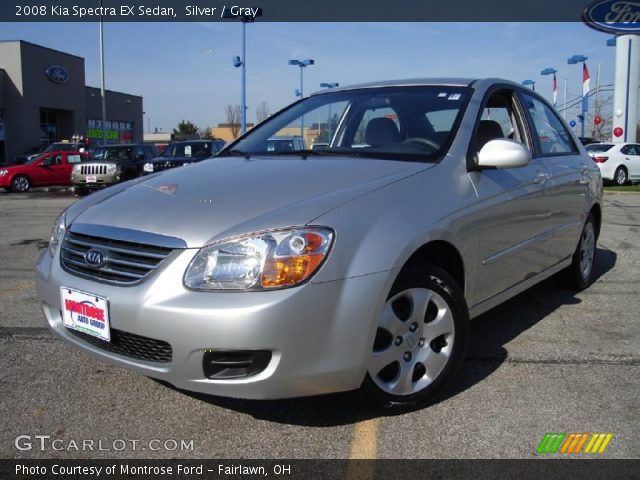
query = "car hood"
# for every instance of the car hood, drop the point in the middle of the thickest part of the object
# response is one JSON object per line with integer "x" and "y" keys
{"x": 223, "y": 197}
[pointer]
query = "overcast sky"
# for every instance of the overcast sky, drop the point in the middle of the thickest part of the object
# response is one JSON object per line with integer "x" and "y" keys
{"x": 172, "y": 67}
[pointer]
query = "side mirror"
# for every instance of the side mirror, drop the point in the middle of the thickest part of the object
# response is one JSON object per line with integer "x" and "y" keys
{"x": 503, "y": 153}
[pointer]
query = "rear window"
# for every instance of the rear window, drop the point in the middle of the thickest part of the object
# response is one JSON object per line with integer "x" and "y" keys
{"x": 598, "y": 147}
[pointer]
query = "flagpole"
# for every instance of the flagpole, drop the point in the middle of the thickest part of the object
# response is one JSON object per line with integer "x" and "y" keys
{"x": 597, "y": 101}
{"x": 564, "y": 110}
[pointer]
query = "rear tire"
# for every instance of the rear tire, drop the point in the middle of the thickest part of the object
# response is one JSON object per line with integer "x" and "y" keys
{"x": 20, "y": 184}
{"x": 621, "y": 176}
{"x": 421, "y": 340}
{"x": 579, "y": 275}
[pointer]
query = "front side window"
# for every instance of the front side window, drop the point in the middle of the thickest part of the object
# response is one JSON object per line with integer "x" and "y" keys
{"x": 412, "y": 123}
{"x": 554, "y": 138}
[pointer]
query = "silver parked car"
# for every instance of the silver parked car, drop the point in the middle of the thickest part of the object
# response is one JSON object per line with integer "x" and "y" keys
{"x": 262, "y": 274}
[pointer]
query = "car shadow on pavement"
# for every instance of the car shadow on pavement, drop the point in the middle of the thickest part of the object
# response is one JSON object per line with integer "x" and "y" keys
{"x": 490, "y": 333}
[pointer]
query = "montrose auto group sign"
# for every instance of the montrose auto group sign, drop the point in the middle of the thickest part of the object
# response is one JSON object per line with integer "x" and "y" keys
{"x": 613, "y": 16}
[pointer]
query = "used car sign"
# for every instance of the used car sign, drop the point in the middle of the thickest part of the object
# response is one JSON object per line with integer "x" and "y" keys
{"x": 613, "y": 16}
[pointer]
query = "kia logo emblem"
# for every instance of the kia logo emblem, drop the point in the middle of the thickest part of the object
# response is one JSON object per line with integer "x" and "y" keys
{"x": 94, "y": 258}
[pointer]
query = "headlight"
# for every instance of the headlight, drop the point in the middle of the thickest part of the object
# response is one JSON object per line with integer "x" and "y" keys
{"x": 3, "y": 173}
{"x": 111, "y": 168}
{"x": 57, "y": 233}
{"x": 76, "y": 168}
{"x": 148, "y": 167}
{"x": 277, "y": 259}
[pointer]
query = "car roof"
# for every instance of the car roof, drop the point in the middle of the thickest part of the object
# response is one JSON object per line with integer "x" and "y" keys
{"x": 409, "y": 82}
{"x": 123, "y": 145}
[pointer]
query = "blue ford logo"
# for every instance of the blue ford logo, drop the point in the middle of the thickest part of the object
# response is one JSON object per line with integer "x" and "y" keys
{"x": 613, "y": 16}
{"x": 94, "y": 258}
{"x": 57, "y": 74}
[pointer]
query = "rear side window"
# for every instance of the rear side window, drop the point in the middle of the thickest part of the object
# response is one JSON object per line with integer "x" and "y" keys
{"x": 74, "y": 158}
{"x": 552, "y": 135}
{"x": 630, "y": 150}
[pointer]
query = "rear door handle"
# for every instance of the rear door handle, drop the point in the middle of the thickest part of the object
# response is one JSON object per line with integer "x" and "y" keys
{"x": 540, "y": 178}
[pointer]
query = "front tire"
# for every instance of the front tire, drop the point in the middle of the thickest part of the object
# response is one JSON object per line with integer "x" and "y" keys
{"x": 579, "y": 275}
{"x": 20, "y": 184}
{"x": 621, "y": 176}
{"x": 421, "y": 340}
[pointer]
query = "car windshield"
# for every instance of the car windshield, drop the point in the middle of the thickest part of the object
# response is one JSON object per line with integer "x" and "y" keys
{"x": 188, "y": 150}
{"x": 61, "y": 147}
{"x": 106, "y": 153}
{"x": 598, "y": 147}
{"x": 415, "y": 123}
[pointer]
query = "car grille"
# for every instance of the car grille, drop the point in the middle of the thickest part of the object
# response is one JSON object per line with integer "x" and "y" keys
{"x": 131, "y": 345}
{"x": 125, "y": 263}
{"x": 94, "y": 169}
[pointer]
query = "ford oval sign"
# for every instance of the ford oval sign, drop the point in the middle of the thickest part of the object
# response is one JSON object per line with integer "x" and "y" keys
{"x": 57, "y": 74}
{"x": 613, "y": 16}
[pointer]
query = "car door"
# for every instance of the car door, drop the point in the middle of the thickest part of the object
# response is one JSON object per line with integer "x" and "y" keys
{"x": 48, "y": 172}
{"x": 570, "y": 171}
{"x": 59, "y": 169}
{"x": 513, "y": 212}
{"x": 631, "y": 158}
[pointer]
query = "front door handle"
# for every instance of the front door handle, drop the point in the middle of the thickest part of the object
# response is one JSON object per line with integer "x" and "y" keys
{"x": 540, "y": 178}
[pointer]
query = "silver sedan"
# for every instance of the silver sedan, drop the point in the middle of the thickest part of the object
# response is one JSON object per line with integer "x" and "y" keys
{"x": 354, "y": 263}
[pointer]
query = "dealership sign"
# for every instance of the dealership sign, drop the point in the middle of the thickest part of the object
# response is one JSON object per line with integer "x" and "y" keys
{"x": 613, "y": 16}
{"x": 57, "y": 74}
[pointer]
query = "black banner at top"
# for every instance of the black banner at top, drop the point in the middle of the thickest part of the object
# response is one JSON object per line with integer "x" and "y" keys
{"x": 292, "y": 10}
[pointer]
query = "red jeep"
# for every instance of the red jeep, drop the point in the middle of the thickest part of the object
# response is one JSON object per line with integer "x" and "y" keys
{"x": 51, "y": 168}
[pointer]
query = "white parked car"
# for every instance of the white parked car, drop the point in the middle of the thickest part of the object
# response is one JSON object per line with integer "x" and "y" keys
{"x": 618, "y": 162}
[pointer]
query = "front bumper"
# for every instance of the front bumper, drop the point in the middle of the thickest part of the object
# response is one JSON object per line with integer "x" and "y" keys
{"x": 98, "y": 181}
{"x": 319, "y": 335}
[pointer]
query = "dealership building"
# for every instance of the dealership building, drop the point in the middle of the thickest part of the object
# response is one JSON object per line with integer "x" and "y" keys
{"x": 44, "y": 99}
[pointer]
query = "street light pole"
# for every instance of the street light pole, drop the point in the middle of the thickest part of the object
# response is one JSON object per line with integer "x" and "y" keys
{"x": 530, "y": 82}
{"x": 242, "y": 62}
{"x": 302, "y": 64}
{"x": 102, "y": 89}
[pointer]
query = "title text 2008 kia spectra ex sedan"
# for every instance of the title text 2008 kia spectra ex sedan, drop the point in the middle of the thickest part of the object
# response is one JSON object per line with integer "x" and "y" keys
{"x": 353, "y": 264}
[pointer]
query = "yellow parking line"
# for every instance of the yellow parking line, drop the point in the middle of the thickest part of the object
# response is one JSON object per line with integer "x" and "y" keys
{"x": 364, "y": 446}
{"x": 365, "y": 440}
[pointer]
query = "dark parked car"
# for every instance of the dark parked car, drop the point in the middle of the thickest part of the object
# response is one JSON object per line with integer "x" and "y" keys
{"x": 111, "y": 164}
{"x": 178, "y": 154}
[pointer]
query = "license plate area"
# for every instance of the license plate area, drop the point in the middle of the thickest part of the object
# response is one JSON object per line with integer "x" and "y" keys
{"x": 86, "y": 312}
{"x": 91, "y": 179}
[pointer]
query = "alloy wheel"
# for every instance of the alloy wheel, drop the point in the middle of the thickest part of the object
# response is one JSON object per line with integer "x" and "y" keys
{"x": 587, "y": 249}
{"x": 414, "y": 341}
{"x": 621, "y": 176}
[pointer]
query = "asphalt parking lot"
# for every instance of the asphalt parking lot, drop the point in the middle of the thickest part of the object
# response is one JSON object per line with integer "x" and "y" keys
{"x": 547, "y": 361}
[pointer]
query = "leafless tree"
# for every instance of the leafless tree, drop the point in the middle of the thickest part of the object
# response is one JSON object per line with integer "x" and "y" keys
{"x": 232, "y": 113}
{"x": 263, "y": 111}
